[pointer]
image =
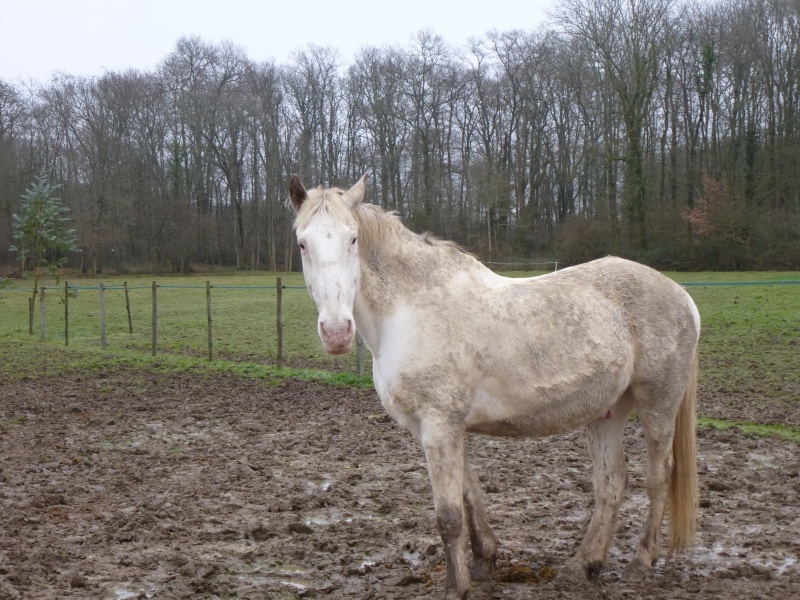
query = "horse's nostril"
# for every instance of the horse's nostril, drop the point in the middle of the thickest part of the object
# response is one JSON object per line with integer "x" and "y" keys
{"x": 339, "y": 330}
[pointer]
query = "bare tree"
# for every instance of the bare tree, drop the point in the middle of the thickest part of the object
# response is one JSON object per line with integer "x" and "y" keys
{"x": 599, "y": 133}
{"x": 626, "y": 40}
{"x": 12, "y": 113}
{"x": 375, "y": 81}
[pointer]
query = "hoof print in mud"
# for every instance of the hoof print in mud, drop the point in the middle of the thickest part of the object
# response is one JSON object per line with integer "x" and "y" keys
{"x": 300, "y": 528}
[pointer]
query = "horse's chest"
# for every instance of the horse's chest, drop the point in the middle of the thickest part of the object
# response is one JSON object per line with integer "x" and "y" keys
{"x": 397, "y": 405}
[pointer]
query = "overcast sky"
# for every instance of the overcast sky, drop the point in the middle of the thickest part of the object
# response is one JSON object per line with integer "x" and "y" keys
{"x": 88, "y": 37}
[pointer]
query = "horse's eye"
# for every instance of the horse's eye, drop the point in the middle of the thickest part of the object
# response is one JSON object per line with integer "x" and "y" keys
{"x": 302, "y": 245}
{"x": 353, "y": 241}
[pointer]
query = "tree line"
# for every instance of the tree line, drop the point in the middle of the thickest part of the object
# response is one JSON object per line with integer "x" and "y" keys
{"x": 666, "y": 131}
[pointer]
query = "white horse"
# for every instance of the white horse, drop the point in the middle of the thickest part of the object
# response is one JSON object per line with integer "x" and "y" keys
{"x": 457, "y": 348}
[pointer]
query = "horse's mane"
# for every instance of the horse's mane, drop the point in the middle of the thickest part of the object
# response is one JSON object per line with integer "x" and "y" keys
{"x": 376, "y": 226}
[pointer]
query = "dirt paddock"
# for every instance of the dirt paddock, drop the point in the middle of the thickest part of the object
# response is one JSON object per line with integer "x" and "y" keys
{"x": 146, "y": 485}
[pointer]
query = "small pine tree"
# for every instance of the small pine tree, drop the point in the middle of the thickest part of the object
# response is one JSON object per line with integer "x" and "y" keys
{"x": 41, "y": 231}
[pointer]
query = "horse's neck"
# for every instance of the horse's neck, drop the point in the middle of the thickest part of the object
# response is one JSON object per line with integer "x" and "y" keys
{"x": 386, "y": 279}
{"x": 389, "y": 277}
{"x": 397, "y": 277}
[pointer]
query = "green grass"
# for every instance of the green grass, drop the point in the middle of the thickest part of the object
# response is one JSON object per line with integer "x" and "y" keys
{"x": 243, "y": 308}
{"x": 18, "y": 420}
{"x": 781, "y": 431}
{"x": 733, "y": 276}
{"x": 750, "y": 341}
{"x": 27, "y": 360}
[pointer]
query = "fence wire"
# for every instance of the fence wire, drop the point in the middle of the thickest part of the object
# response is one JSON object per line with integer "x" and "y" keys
{"x": 221, "y": 321}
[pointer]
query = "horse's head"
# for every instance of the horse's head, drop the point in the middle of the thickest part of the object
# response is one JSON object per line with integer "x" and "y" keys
{"x": 328, "y": 237}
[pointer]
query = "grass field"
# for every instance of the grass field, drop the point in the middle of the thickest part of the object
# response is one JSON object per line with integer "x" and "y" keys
{"x": 243, "y": 308}
{"x": 749, "y": 347}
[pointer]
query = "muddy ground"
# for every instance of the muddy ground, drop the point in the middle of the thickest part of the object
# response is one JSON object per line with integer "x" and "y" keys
{"x": 137, "y": 484}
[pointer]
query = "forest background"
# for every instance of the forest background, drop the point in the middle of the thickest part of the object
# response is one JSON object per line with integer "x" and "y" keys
{"x": 662, "y": 130}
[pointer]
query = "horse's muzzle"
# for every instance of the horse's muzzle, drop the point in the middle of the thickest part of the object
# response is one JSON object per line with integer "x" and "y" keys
{"x": 337, "y": 336}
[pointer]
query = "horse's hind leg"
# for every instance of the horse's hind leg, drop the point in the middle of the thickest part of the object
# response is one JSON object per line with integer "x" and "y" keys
{"x": 610, "y": 480}
{"x": 482, "y": 539}
{"x": 659, "y": 430}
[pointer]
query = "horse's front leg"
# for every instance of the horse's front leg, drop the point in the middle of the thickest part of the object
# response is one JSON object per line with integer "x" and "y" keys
{"x": 444, "y": 450}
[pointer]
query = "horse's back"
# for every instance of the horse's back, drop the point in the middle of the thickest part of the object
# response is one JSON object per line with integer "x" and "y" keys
{"x": 625, "y": 298}
{"x": 658, "y": 311}
{"x": 646, "y": 295}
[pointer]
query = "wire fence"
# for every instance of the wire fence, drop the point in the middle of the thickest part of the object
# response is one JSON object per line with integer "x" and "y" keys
{"x": 271, "y": 323}
{"x": 767, "y": 282}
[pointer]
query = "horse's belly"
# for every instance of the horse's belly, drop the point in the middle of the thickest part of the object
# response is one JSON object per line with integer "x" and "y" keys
{"x": 524, "y": 426}
{"x": 499, "y": 411}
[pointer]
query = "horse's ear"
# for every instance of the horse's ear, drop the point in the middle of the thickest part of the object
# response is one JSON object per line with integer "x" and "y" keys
{"x": 355, "y": 194}
{"x": 297, "y": 193}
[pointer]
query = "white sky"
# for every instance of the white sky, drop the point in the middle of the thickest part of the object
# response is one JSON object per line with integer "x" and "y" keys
{"x": 88, "y": 37}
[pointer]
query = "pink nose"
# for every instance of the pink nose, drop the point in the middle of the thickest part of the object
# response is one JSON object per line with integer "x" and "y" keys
{"x": 337, "y": 336}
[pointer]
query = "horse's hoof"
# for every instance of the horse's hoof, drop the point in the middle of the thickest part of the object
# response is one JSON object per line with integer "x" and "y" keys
{"x": 452, "y": 594}
{"x": 578, "y": 576}
{"x": 574, "y": 573}
{"x": 593, "y": 569}
{"x": 637, "y": 570}
{"x": 481, "y": 571}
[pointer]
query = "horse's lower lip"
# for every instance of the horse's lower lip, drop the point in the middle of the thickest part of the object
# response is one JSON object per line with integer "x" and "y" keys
{"x": 338, "y": 350}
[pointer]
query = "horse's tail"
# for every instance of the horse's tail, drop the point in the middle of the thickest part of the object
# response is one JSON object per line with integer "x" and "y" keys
{"x": 683, "y": 486}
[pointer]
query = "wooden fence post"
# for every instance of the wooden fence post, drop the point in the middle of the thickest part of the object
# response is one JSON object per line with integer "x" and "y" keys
{"x": 102, "y": 316}
{"x": 279, "y": 287}
{"x": 31, "y": 305}
{"x": 208, "y": 307}
{"x": 155, "y": 319}
{"x": 66, "y": 313}
{"x": 359, "y": 354}
{"x": 128, "y": 308}
{"x": 41, "y": 313}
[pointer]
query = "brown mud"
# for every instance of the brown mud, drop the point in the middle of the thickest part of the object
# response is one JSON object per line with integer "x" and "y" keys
{"x": 136, "y": 484}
